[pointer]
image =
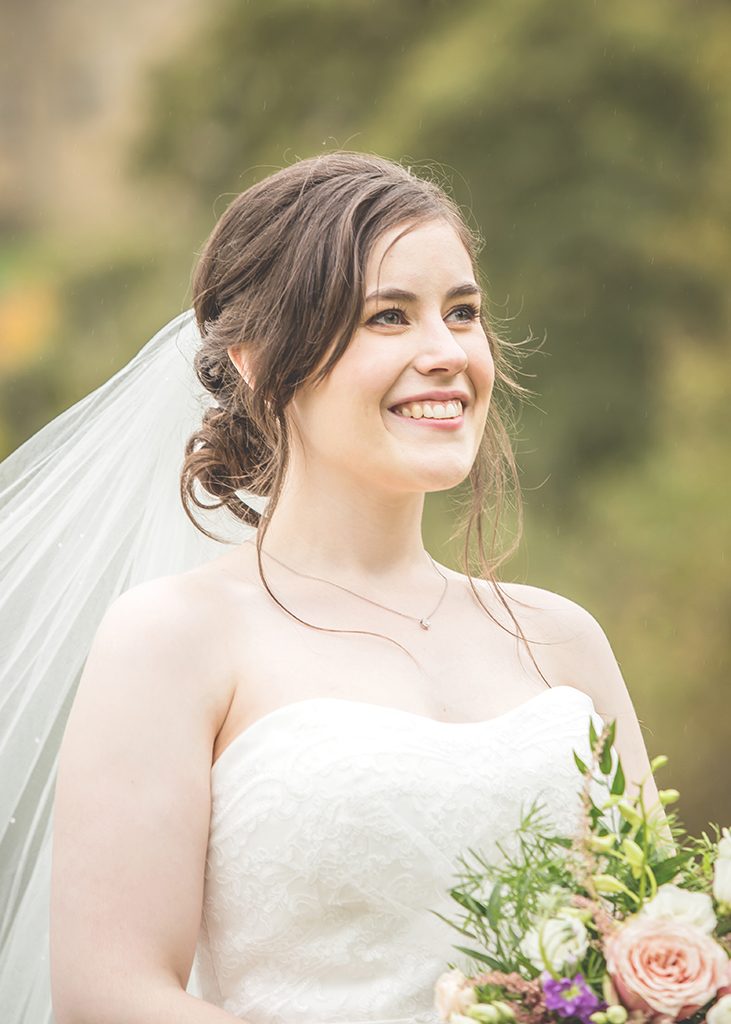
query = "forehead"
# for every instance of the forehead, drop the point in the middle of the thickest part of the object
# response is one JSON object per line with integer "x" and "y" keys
{"x": 412, "y": 250}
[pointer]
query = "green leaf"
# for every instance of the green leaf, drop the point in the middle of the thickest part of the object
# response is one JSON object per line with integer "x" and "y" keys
{"x": 618, "y": 782}
{"x": 452, "y": 924}
{"x": 493, "y": 906}
{"x": 592, "y": 734}
{"x": 595, "y": 813}
{"x": 605, "y": 763}
{"x": 477, "y": 856}
{"x": 483, "y": 958}
{"x": 666, "y": 869}
{"x": 594, "y": 808}
{"x": 580, "y": 764}
{"x": 469, "y": 902}
{"x": 724, "y": 926}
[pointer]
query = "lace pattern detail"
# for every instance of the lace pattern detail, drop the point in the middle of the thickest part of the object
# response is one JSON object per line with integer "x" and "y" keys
{"x": 335, "y": 830}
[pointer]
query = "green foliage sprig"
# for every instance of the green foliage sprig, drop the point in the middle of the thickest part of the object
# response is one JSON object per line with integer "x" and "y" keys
{"x": 622, "y": 851}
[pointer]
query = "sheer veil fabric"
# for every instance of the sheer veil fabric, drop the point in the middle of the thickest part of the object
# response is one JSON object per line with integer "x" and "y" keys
{"x": 89, "y": 507}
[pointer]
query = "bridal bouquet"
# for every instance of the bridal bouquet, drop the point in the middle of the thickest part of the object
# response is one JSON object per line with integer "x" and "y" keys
{"x": 607, "y": 926}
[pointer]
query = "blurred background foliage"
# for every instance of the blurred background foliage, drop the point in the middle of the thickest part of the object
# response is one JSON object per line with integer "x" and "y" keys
{"x": 588, "y": 142}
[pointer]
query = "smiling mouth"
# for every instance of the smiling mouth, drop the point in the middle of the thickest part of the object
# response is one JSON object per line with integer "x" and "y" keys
{"x": 436, "y": 411}
{"x": 444, "y": 423}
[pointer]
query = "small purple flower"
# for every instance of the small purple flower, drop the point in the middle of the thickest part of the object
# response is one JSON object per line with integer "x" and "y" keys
{"x": 571, "y": 997}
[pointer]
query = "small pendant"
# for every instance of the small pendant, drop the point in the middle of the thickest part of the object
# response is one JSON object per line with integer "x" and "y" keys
{"x": 425, "y": 624}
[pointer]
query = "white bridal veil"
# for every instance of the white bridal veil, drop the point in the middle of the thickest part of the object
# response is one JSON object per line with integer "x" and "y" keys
{"x": 89, "y": 506}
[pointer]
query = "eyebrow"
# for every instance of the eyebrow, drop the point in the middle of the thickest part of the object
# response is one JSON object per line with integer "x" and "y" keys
{"x": 468, "y": 288}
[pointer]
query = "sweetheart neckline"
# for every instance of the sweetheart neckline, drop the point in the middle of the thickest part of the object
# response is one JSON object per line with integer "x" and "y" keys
{"x": 427, "y": 720}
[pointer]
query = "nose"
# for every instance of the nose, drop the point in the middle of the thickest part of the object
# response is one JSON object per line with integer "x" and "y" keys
{"x": 440, "y": 351}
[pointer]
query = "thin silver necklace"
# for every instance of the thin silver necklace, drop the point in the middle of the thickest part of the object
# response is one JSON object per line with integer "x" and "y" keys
{"x": 424, "y": 622}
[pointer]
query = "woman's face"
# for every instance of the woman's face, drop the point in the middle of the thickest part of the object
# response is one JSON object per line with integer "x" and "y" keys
{"x": 386, "y": 412}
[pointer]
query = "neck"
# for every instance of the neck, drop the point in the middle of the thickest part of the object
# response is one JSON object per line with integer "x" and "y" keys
{"x": 330, "y": 525}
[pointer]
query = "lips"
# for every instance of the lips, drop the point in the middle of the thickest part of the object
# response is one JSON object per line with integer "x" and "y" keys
{"x": 434, "y": 396}
{"x": 430, "y": 423}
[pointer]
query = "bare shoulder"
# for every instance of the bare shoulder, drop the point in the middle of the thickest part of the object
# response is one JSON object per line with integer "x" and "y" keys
{"x": 568, "y": 625}
{"x": 539, "y": 598}
{"x": 579, "y": 651}
{"x": 169, "y": 631}
{"x": 571, "y": 642}
{"x": 554, "y": 618}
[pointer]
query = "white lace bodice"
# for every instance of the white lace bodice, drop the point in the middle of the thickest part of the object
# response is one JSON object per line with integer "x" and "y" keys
{"x": 335, "y": 829}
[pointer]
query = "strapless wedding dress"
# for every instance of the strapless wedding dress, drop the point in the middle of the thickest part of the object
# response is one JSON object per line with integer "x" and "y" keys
{"x": 335, "y": 829}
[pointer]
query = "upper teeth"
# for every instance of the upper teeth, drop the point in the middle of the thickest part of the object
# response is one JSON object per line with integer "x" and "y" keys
{"x": 430, "y": 410}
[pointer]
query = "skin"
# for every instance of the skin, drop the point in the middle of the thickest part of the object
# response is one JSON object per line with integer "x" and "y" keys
{"x": 354, "y": 497}
{"x": 181, "y": 665}
{"x": 352, "y": 506}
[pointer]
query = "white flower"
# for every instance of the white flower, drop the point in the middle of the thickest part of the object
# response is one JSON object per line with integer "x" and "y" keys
{"x": 724, "y": 843}
{"x": 722, "y": 869}
{"x": 720, "y": 1012}
{"x": 564, "y": 939}
{"x": 694, "y": 908}
{"x": 451, "y": 995}
{"x": 551, "y": 899}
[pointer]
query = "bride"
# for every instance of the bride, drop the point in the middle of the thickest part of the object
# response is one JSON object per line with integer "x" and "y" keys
{"x": 274, "y": 755}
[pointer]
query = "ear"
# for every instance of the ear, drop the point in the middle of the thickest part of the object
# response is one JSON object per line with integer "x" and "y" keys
{"x": 240, "y": 360}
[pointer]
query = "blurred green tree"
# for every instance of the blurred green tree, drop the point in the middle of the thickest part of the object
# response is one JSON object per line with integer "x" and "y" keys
{"x": 584, "y": 130}
{"x": 589, "y": 142}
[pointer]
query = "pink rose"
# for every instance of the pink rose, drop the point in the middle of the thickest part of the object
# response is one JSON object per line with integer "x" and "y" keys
{"x": 452, "y": 994}
{"x": 725, "y": 989}
{"x": 664, "y": 967}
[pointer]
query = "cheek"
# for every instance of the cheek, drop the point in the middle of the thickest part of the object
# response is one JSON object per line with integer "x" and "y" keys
{"x": 342, "y": 414}
{"x": 490, "y": 375}
{"x": 481, "y": 369}
{"x": 357, "y": 400}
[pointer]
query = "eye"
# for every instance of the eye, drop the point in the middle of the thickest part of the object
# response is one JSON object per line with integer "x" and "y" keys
{"x": 470, "y": 309}
{"x": 472, "y": 313}
{"x": 399, "y": 310}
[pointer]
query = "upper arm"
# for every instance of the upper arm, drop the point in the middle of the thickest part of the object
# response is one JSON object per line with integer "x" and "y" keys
{"x": 582, "y": 656}
{"x": 132, "y": 803}
{"x": 579, "y": 654}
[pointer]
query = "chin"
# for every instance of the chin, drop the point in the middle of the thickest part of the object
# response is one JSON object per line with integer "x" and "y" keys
{"x": 436, "y": 478}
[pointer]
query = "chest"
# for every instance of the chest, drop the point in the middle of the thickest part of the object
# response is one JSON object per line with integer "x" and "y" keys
{"x": 466, "y": 667}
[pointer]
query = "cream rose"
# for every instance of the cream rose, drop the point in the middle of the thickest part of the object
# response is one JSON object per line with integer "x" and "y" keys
{"x": 722, "y": 869}
{"x": 686, "y": 907}
{"x": 720, "y": 1012}
{"x": 565, "y": 940}
{"x": 451, "y": 994}
{"x": 664, "y": 967}
{"x": 552, "y": 899}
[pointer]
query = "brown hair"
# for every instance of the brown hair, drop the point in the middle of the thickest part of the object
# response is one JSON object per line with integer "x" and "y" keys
{"x": 283, "y": 274}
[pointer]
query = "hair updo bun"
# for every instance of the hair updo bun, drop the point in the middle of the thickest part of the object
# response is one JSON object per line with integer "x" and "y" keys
{"x": 234, "y": 448}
